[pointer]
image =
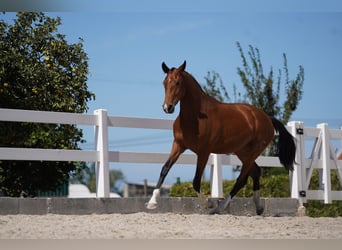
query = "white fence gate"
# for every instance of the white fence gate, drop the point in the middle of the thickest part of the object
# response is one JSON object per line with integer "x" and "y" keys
{"x": 322, "y": 157}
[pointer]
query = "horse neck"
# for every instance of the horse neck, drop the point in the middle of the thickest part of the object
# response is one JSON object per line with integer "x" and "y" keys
{"x": 190, "y": 105}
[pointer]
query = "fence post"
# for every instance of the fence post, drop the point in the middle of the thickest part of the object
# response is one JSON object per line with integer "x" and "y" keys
{"x": 326, "y": 180}
{"x": 216, "y": 188}
{"x": 102, "y": 165}
{"x": 298, "y": 175}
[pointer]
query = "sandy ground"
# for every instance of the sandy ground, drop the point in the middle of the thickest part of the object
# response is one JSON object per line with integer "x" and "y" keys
{"x": 167, "y": 226}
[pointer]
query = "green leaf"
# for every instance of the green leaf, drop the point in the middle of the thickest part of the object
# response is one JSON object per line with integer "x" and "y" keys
{"x": 36, "y": 60}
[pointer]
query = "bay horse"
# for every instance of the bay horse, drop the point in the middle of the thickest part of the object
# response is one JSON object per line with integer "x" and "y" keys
{"x": 205, "y": 125}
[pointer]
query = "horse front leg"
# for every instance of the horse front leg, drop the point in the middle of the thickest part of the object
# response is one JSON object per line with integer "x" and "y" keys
{"x": 201, "y": 163}
{"x": 176, "y": 151}
{"x": 153, "y": 202}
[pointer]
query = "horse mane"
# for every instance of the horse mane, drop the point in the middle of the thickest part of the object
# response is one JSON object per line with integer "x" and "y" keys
{"x": 196, "y": 82}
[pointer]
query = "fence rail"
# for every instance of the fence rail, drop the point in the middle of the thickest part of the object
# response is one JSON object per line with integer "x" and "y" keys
{"x": 322, "y": 157}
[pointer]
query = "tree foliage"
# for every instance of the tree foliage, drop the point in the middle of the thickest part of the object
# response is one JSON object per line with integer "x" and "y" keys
{"x": 39, "y": 70}
{"x": 263, "y": 90}
{"x": 218, "y": 92}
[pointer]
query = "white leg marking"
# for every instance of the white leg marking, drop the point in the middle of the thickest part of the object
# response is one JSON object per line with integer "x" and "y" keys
{"x": 153, "y": 202}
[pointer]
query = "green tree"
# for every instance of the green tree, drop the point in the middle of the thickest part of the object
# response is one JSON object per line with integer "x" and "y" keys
{"x": 263, "y": 90}
{"x": 40, "y": 70}
{"x": 218, "y": 92}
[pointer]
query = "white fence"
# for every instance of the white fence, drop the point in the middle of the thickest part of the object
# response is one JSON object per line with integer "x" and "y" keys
{"x": 322, "y": 156}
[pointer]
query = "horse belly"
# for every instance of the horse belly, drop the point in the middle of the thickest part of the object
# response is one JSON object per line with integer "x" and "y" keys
{"x": 230, "y": 142}
{"x": 218, "y": 140}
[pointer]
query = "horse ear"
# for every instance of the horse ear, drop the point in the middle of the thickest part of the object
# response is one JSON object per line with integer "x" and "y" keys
{"x": 165, "y": 68}
{"x": 182, "y": 67}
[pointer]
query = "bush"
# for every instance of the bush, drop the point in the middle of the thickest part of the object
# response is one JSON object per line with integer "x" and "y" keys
{"x": 316, "y": 208}
{"x": 270, "y": 186}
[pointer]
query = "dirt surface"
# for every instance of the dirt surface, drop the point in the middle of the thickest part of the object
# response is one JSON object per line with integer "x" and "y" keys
{"x": 167, "y": 226}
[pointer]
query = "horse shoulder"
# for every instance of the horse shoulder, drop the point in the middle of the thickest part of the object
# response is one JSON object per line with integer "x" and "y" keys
{"x": 177, "y": 131}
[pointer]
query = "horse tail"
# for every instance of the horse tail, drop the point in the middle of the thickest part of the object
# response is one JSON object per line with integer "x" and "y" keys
{"x": 286, "y": 148}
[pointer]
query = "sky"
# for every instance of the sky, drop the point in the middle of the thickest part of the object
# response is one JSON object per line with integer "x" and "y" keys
{"x": 127, "y": 43}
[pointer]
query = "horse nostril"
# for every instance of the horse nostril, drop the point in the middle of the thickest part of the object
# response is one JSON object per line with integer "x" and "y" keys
{"x": 168, "y": 108}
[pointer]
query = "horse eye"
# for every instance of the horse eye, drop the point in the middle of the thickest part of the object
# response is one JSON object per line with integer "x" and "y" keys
{"x": 177, "y": 84}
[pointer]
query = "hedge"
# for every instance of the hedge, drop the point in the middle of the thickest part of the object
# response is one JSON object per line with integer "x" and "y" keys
{"x": 270, "y": 186}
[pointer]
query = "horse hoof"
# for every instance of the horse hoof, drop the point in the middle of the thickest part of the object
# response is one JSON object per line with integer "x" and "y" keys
{"x": 260, "y": 211}
{"x": 215, "y": 210}
{"x": 151, "y": 206}
{"x": 210, "y": 204}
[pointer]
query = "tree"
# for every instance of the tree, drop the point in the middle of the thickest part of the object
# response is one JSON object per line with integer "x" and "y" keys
{"x": 40, "y": 70}
{"x": 211, "y": 89}
{"x": 263, "y": 91}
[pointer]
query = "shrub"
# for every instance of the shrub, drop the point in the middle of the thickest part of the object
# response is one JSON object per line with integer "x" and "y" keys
{"x": 270, "y": 186}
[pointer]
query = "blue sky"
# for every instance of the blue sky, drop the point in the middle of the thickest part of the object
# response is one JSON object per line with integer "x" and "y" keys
{"x": 126, "y": 49}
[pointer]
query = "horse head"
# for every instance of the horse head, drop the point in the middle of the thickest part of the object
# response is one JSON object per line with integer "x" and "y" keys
{"x": 174, "y": 87}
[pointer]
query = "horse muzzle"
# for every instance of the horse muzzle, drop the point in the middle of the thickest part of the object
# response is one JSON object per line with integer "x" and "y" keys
{"x": 168, "y": 108}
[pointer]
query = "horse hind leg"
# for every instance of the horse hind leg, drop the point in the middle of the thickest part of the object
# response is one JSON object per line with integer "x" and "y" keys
{"x": 254, "y": 172}
{"x": 240, "y": 182}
